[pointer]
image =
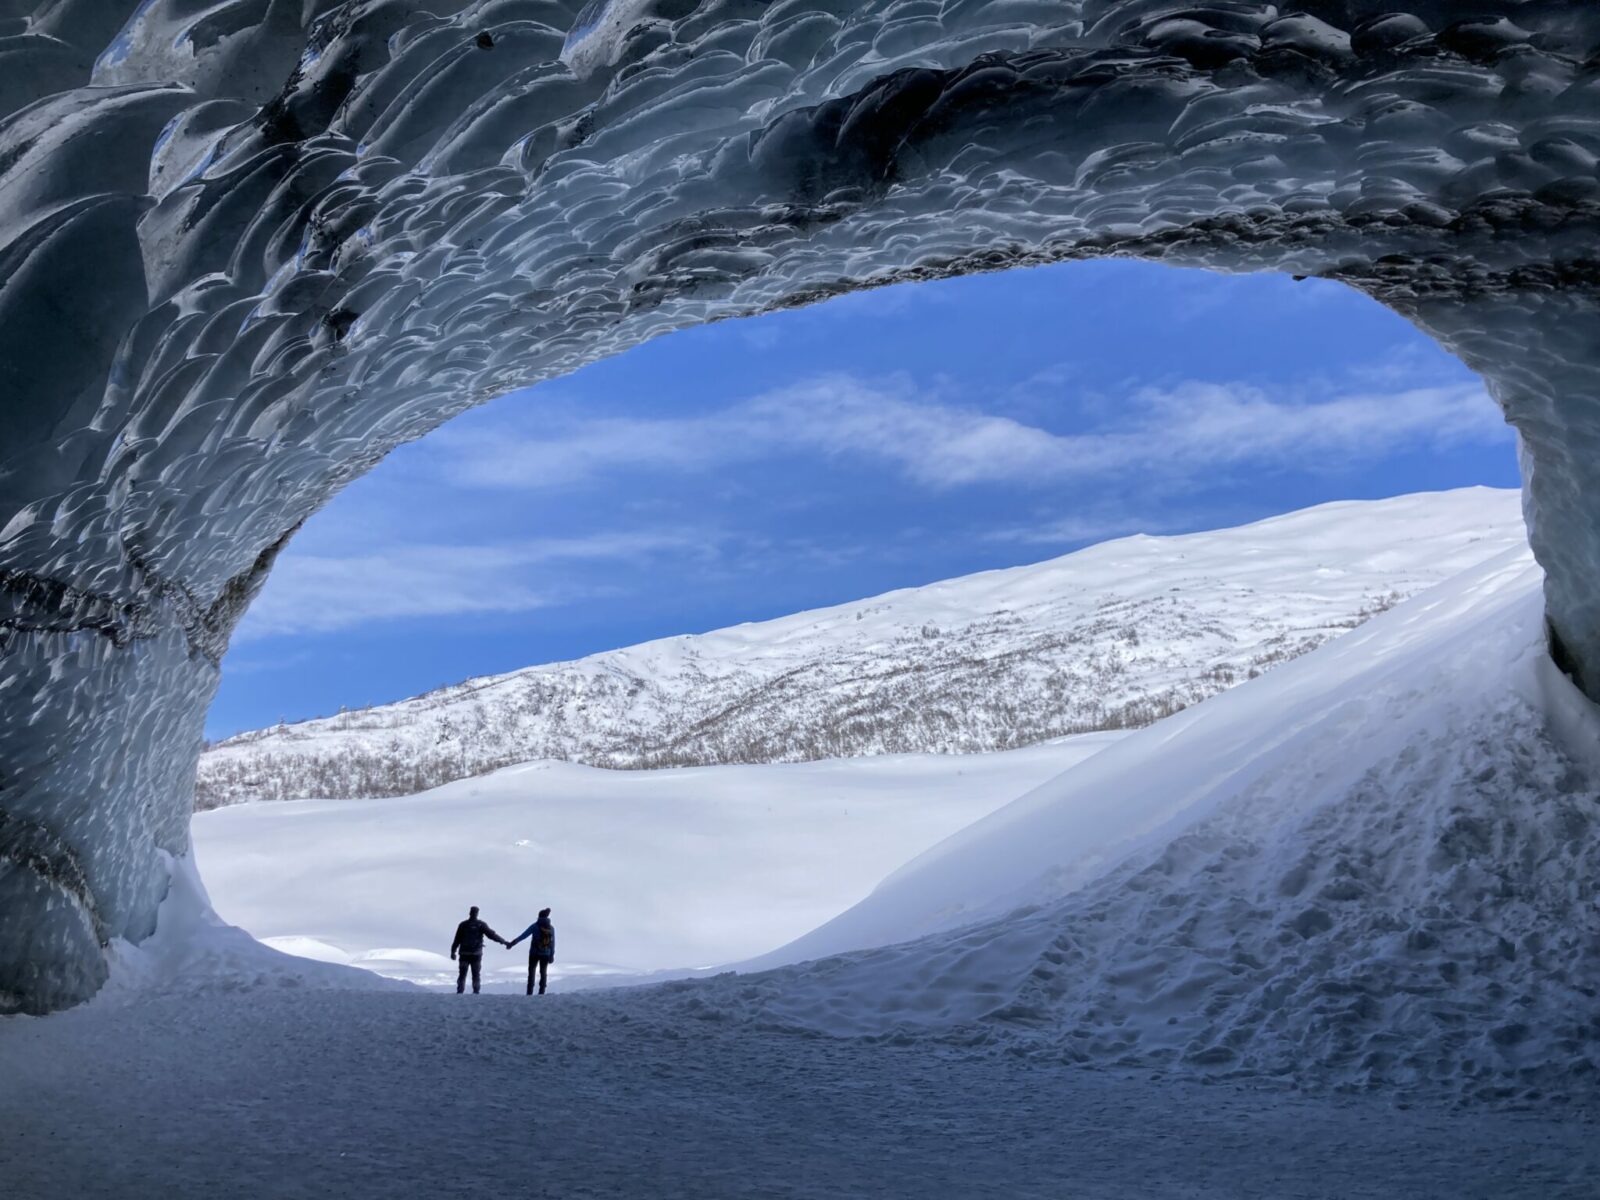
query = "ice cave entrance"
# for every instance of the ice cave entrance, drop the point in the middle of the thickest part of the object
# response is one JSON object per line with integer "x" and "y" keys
{"x": 245, "y": 257}
{"x": 749, "y": 469}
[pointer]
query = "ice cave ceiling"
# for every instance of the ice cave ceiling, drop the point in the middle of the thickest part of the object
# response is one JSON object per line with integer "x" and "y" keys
{"x": 248, "y": 247}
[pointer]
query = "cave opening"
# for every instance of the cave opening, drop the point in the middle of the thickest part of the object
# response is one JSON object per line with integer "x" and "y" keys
{"x": 244, "y": 259}
{"x": 747, "y": 470}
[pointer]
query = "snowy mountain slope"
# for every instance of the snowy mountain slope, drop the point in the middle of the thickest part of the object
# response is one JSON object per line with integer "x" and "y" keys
{"x": 1314, "y": 731}
{"x": 646, "y": 870}
{"x": 1114, "y": 636}
{"x": 1375, "y": 867}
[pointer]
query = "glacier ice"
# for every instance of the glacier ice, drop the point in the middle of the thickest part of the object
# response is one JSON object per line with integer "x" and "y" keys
{"x": 246, "y": 249}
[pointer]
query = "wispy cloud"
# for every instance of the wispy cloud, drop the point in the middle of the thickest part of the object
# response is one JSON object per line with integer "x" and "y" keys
{"x": 934, "y": 442}
{"x": 1116, "y": 475}
{"x": 322, "y": 593}
{"x": 1200, "y": 426}
{"x": 1094, "y": 525}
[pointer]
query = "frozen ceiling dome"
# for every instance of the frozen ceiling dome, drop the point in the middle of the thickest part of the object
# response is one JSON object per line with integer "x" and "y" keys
{"x": 246, "y": 249}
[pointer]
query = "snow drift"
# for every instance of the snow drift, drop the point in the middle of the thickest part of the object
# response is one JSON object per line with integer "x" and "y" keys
{"x": 1374, "y": 867}
{"x": 193, "y": 953}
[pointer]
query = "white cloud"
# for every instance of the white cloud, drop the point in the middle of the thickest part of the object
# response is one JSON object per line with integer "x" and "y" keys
{"x": 1155, "y": 443}
{"x": 574, "y": 452}
{"x": 1170, "y": 433}
{"x": 1197, "y": 426}
{"x": 321, "y": 593}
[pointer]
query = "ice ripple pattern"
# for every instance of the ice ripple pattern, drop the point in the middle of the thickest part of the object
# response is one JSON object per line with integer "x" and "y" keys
{"x": 247, "y": 249}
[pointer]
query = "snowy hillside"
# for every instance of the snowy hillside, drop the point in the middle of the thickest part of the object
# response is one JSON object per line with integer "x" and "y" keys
{"x": 1111, "y": 637}
{"x": 1374, "y": 868}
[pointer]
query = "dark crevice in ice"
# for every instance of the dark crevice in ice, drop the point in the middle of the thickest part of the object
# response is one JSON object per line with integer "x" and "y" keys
{"x": 35, "y": 604}
{"x": 32, "y": 845}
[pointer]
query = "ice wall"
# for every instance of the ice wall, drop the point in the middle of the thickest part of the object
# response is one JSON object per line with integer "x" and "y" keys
{"x": 246, "y": 249}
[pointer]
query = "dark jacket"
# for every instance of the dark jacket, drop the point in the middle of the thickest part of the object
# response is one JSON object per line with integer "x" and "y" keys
{"x": 544, "y": 939}
{"x": 469, "y": 938}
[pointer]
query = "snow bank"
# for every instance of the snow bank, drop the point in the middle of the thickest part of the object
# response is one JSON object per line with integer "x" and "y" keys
{"x": 1323, "y": 718}
{"x": 1374, "y": 867}
{"x": 194, "y": 951}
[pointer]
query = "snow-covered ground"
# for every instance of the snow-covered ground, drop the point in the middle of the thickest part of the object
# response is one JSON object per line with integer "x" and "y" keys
{"x": 285, "y": 1092}
{"x": 1373, "y": 868}
{"x": 1114, "y": 636}
{"x": 213, "y": 1066}
{"x": 1332, "y": 933}
{"x": 646, "y": 870}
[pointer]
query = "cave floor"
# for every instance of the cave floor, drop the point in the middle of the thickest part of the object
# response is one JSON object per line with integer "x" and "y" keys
{"x": 294, "y": 1092}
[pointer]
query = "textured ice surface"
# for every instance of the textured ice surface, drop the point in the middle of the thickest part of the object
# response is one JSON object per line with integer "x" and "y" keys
{"x": 245, "y": 249}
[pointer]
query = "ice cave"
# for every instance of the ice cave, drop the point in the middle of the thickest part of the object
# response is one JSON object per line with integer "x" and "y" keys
{"x": 248, "y": 248}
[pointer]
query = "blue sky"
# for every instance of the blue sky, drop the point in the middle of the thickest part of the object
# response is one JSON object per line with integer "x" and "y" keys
{"x": 753, "y": 468}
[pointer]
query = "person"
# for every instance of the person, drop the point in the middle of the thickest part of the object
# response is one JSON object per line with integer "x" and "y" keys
{"x": 541, "y": 950}
{"x": 469, "y": 943}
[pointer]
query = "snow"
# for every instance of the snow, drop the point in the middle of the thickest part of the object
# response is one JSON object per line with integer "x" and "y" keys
{"x": 1114, "y": 635}
{"x": 194, "y": 953}
{"x": 1369, "y": 869}
{"x": 1311, "y": 730}
{"x": 646, "y": 870}
{"x": 254, "y": 247}
{"x": 1330, "y": 933}
{"x": 291, "y": 1093}
{"x": 1373, "y": 868}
